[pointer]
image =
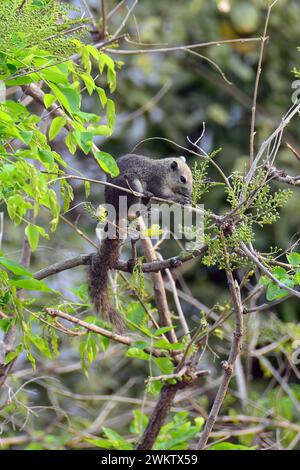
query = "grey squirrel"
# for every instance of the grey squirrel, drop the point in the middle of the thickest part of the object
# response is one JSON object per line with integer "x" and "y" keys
{"x": 167, "y": 178}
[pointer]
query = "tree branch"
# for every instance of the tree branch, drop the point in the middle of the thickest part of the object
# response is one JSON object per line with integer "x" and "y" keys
{"x": 228, "y": 366}
{"x": 100, "y": 331}
{"x": 257, "y": 78}
{"x": 150, "y": 267}
{"x": 164, "y": 313}
{"x": 271, "y": 276}
{"x": 162, "y": 408}
{"x": 281, "y": 176}
{"x": 182, "y": 48}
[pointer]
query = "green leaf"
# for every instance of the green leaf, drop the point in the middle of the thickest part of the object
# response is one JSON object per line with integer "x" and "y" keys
{"x": 87, "y": 189}
{"x": 82, "y": 116}
{"x": 297, "y": 277}
{"x": 139, "y": 423}
{"x": 89, "y": 82}
{"x": 48, "y": 100}
{"x": 14, "y": 267}
{"x": 47, "y": 158}
{"x": 111, "y": 434}
{"x": 55, "y": 75}
{"x": 165, "y": 365}
{"x": 161, "y": 331}
{"x": 69, "y": 98}
{"x": 5, "y": 117}
{"x": 275, "y": 292}
{"x": 107, "y": 163}
{"x": 294, "y": 259}
{"x": 73, "y": 97}
{"x": 102, "y": 96}
{"x": 138, "y": 353}
{"x": 229, "y": 446}
{"x": 30, "y": 284}
{"x": 71, "y": 143}
{"x": 5, "y": 324}
{"x": 56, "y": 126}
{"x": 85, "y": 59}
{"x": 26, "y": 136}
{"x": 164, "y": 344}
{"x": 13, "y": 354}
{"x": 41, "y": 344}
{"x": 17, "y": 207}
{"x": 140, "y": 343}
{"x": 100, "y": 130}
{"x": 33, "y": 235}
{"x": 110, "y": 113}
{"x": 282, "y": 275}
{"x": 112, "y": 80}
{"x": 84, "y": 140}
{"x": 136, "y": 314}
{"x": 102, "y": 443}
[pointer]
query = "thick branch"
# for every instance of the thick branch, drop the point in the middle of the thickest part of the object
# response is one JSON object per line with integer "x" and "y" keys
{"x": 281, "y": 176}
{"x": 159, "y": 287}
{"x": 150, "y": 267}
{"x": 163, "y": 405}
{"x": 160, "y": 412}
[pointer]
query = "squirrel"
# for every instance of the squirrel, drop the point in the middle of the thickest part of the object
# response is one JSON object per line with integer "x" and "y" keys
{"x": 168, "y": 178}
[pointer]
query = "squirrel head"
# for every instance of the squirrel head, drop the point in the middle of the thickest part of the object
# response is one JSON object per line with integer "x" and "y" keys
{"x": 179, "y": 179}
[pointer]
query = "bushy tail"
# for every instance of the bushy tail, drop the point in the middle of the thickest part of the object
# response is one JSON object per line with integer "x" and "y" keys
{"x": 102, "y": 261}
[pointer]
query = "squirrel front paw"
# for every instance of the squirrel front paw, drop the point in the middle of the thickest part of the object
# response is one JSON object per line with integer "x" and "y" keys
{"x": 131, "y": 264}
{"x": 147, "y": 195}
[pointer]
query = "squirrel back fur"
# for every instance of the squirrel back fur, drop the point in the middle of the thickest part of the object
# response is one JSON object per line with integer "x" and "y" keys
{"x": 168, "y": 178}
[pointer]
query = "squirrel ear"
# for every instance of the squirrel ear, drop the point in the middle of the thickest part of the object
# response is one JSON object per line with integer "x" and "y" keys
{"x": 183, "y": 159}
{"x": 174, "y": 165}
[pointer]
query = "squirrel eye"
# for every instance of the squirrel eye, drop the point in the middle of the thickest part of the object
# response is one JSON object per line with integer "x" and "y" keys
{"x": 183, "y": 179}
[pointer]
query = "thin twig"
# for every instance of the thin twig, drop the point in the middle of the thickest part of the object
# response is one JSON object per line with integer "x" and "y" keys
{"x": 228, "y": 366}
{"x": 258, "y": 263}
{"x": 79, "y": 232}
{"x": 182, "y": 48}
{"x": 86, "y": 6}
{"x": 257, "y": 78}
{"x": 281, "y": 382}
{"x": 122, "y": 25}
{"x": 104, "y": 19}
{"x": 274, "y": 137}
{"x": 115, "y": 9}
{"x": 100, "y": 331}
{"x": 293, "y": 150}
